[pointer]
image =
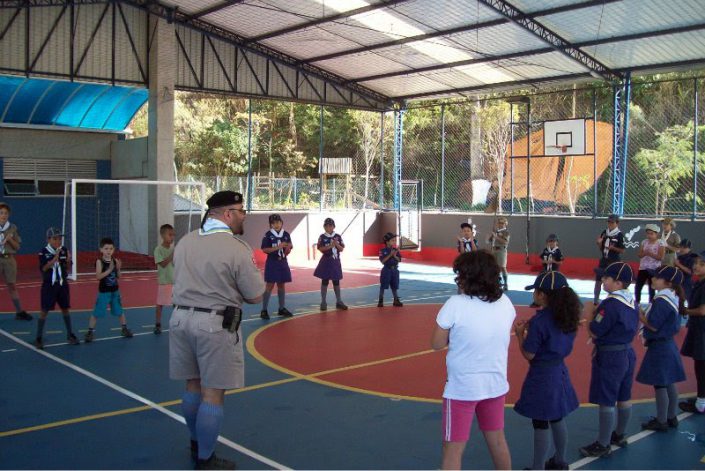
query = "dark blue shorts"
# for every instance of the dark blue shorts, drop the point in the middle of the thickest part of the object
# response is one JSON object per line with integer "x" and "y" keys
{"x": 52, "y": 295}
{"x": 389, "y": 277}
{"x": 612, "y": 377}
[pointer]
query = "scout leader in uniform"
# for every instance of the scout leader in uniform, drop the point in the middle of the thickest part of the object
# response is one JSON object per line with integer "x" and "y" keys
{"x": 214, "y": 273}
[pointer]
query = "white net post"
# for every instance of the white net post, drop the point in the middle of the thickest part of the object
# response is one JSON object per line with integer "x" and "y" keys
{"x": 121, "y": 210}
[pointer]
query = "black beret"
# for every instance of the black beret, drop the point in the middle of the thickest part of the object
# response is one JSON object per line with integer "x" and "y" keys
{"x": 274, "y": 218}
{"x": 224, "y": 198}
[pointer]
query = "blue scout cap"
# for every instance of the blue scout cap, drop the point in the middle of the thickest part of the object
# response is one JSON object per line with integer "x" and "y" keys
{"x": 551, "y": 237}
{"x": 549, "y": 281}
{"x": 388, "y": 236}
{"x": 671, "y": 274}
{"x": 54, "y": 232}
{"x": 329, "y": 222}
{"x": 274, "y": 218}
{"x": 619, "y": 271}
{"x": 685, "y": 243}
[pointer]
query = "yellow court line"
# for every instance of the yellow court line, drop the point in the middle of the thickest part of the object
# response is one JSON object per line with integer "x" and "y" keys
{"x": 131, "y": 410}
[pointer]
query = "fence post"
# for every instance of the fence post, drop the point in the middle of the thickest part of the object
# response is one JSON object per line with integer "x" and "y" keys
{"x": 295, "y": 192}
{"x": 695, "y": 150}
{"x": 398, "y": 142}
{"x": 320, "y": 161}
{"x": 250, "y": 191}
{"x": 594, "y": 153}
{"x": 443, "y": 157}
{"x": 381, "y": 161}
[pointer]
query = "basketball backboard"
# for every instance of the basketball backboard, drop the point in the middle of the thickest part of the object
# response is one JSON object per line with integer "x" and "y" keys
{"x": 564, "y": 137}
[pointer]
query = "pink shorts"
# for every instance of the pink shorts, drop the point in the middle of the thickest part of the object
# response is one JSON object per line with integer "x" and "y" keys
{"x": 457, "y": 417}
{"x": 164, "y": 295}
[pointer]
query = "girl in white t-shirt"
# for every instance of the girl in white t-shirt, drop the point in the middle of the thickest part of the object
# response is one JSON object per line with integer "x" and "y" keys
{"x": 475, "y": 325}
{"x": 650, "y": 254}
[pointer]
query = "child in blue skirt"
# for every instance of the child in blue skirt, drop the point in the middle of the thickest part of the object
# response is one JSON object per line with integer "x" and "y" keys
{"x": 694, "y": 343}
{"x": 276, "y": 243}
{"x": 613, "y": 327}
{"x": 662, "y": 366}
{"x": 547, "y": 395}
{"x": 390, "y": 257}
{"x": 329, "y": 269}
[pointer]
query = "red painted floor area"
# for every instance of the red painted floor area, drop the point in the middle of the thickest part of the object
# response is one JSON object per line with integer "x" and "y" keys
{"x": 348, "y": 341}
{"x": 140, "y": 289}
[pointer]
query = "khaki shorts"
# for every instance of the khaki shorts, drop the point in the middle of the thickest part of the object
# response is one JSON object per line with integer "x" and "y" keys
{"x": 199, "y": 347}
{"x": 501, "y": 256}
{"x": 8, "y": 269}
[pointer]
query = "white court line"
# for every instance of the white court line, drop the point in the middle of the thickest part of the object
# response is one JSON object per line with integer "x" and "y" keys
{"x": 143, "y": 400}
{"x": 634, "y": 438}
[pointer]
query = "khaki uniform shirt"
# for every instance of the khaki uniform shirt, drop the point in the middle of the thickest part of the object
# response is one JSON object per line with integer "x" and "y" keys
{"x": 214, "y": 270}
{"x": 5, "y": 248}
{"x": 669, "y": 256}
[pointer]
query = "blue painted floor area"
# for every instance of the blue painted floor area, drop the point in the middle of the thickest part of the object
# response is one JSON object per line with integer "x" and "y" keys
{"x": 83, "y": 424}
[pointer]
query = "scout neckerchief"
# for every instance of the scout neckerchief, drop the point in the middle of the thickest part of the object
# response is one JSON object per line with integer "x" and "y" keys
{"x": 551, "y": 252}
{"x": 214, "y": 226}
{"x": 624, "y": 296}
{"x": 56, "y": 273}
{"x": 334, "y": 250}
{"x": 609, "y": 234}
{"x": 467, "y": 244}
{"x": 3, "y": 229}
{"x": 498, "y": 232}
{"x": 664, "y": 237}
{"x": 278, "y": 235}
{"x": 669, "y": 296}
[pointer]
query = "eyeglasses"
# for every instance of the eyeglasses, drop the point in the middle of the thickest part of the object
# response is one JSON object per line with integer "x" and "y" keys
{"x": 240, "y": 210}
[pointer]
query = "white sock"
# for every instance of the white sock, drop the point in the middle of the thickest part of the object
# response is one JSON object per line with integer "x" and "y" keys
{"x": 700, "y": 404}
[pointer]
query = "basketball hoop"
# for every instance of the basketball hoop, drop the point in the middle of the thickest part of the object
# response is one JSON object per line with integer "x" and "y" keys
{"x": 563, "y": 149}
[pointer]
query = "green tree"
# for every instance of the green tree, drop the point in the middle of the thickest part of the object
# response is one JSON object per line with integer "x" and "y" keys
{"x": 670, "y": 164}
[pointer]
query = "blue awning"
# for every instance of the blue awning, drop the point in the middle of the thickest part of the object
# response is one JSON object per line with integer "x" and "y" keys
{"x": 89, "y": 106}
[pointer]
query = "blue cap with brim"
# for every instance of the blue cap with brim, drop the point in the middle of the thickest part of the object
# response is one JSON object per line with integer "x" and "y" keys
{"x": 549, "y": 281}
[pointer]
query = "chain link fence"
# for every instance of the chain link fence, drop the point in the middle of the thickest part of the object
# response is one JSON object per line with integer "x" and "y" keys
{"x": 471, "y": 155}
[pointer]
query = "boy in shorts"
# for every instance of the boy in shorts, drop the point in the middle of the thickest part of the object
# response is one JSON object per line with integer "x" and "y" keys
{"x": 107, "y": 272}
{"x": 53, "y": 263}
{"x": 164, "y": 258}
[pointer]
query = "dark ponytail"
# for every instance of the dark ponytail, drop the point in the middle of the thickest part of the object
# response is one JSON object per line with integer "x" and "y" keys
{"x": 680, "y": 292}
{"x": 566, "y": 307}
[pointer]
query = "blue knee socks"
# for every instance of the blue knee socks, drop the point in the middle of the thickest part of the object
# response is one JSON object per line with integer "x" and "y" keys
{"x": 208, "y": 423}
{"x": 189, "y": 407}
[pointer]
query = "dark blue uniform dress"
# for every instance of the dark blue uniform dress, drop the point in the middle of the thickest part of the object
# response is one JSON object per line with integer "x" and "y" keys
{"x": 614, "y": 326}
{"x": 547, "y": 393}
{"x": 687, "y": 260}
{"x": 276, "y": 268}
{"x": 329, "y": 267}
{"x": 662, "y": 363}
{"x": 389, "y": 275}
{"x": 555, "y": 255}
{"x": 55, "y": 286}
{"x": 694, "y": 343}
{"x": 611, "y": 257}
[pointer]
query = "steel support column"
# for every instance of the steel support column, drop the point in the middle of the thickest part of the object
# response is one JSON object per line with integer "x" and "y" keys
{"x": 398, "y": 142}
{"x": 695, "y": 149}
{"x": 320, "y": 159}
{"x": 622, "y": 98}
{"x": 443, "y": 157}
{"x": 381, "y": 160}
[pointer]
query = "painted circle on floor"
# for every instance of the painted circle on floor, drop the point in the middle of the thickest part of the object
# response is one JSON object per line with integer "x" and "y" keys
{"x": 386, "y": 351}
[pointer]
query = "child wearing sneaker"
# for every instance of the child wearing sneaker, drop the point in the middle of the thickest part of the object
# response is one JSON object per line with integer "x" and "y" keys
{"x": 547, "y": 395}
{"x": 276, "y": 243}
{"x": 551, "y": 257}
{"x": 612, "y": 326}
{"x": 9, "y": 245}
{"x": 329, "y": 269}
{"x": 694, "y": 343}
{"x": 53, "y": 263}
{"x": 662, "y": 367}
{"x": 390, "y": 257}
{"x": 164, "y": 259}
{"x": 107, "y": 272}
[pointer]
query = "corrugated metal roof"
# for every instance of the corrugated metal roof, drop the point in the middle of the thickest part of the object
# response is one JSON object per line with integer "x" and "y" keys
{"x": 399, "y": 48}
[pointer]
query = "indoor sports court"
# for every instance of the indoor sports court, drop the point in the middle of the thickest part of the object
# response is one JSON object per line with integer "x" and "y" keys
{"x": 401, "y": 117}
